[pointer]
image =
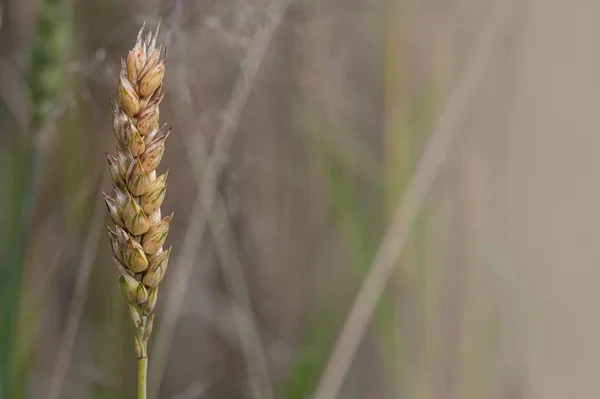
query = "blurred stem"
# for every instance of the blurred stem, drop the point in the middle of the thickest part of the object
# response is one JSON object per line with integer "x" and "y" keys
{"x": 409, "y": 117}
{"x": 398, "y": 145}
{"x": 397, "y": 140}
{"x": 21, "y": 158}
{"x": 44, "y": 81}
{"x": 429, "y": 275}
{"x": 345, "y": 193}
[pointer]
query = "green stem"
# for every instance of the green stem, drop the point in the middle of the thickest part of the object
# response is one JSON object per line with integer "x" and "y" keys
{"x": 142, "y": 377}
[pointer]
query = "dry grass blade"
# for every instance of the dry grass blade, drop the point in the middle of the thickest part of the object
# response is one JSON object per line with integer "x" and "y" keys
{"x": 420, "y": 184}
{"x": 198, "y": 223}
{"x": 90, "y": 248}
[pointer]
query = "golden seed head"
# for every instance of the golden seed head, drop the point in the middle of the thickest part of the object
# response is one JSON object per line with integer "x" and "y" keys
{"x": 140, "y": 231}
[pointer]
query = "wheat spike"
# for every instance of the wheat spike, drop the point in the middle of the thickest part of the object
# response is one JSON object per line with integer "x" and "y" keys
{"x": 140, "y": 231}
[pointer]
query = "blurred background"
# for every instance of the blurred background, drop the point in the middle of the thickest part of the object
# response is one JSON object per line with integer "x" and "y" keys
{"x": 435, "y": 158}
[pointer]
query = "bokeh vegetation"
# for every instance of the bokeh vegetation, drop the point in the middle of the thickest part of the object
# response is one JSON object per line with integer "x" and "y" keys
{"x": 322, "y": 141}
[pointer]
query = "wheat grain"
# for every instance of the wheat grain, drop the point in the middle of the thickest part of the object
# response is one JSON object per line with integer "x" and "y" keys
{"x": 140, "y": 231}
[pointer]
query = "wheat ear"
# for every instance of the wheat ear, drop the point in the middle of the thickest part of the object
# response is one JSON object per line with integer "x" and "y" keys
{"x": 140, "y": 231}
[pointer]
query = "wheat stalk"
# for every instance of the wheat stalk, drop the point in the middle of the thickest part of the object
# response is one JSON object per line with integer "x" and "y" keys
{"x": 140, "y": 230}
